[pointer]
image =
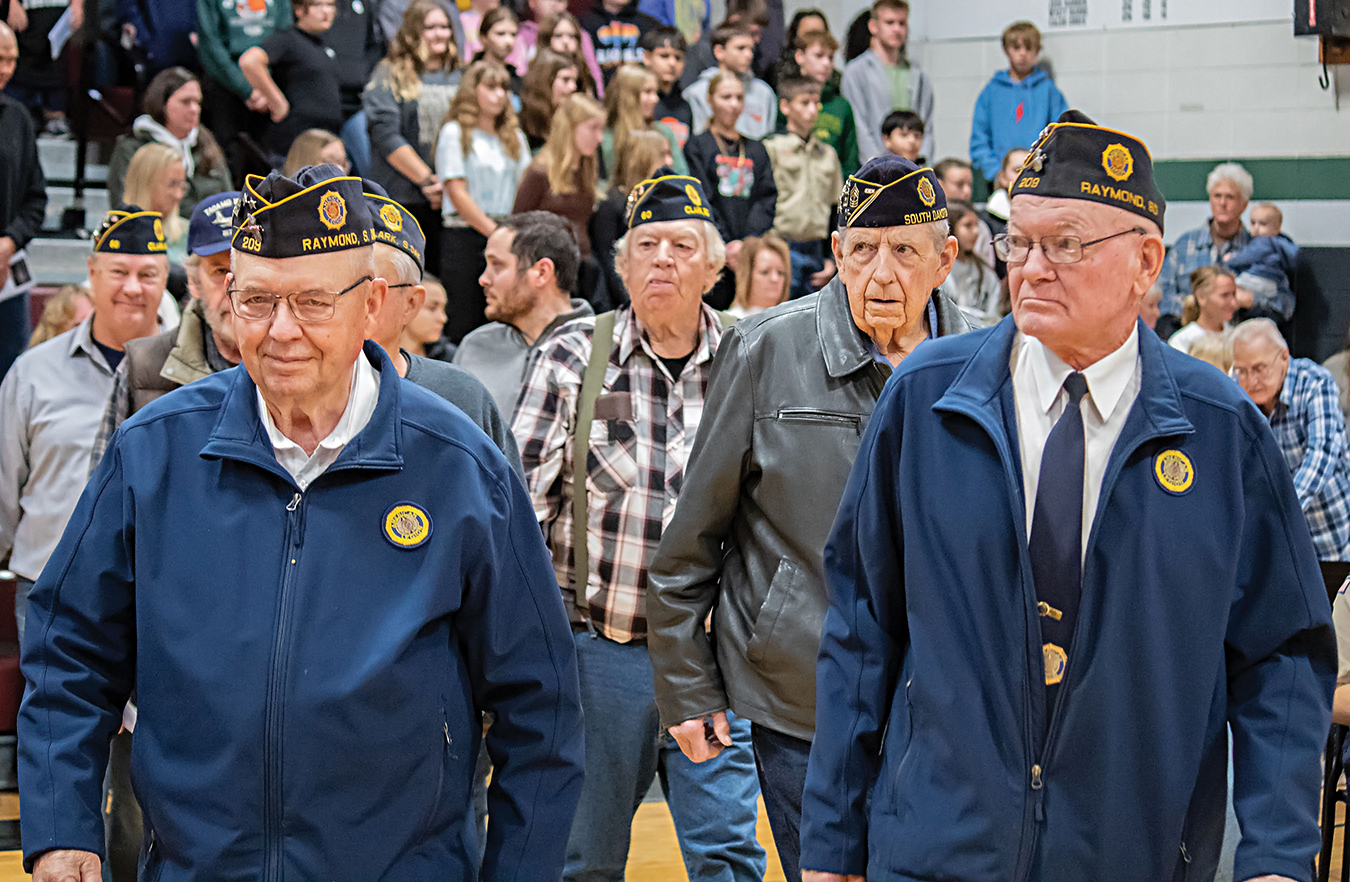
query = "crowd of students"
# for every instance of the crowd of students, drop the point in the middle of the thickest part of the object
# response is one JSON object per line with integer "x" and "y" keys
{"x": 467, "y": 115}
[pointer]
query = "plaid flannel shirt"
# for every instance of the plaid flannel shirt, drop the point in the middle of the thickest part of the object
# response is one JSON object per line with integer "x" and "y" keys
{"x": 1310, "y": 429}
{"x": 640, "y": 442}
{"x": 1193, "y": 249}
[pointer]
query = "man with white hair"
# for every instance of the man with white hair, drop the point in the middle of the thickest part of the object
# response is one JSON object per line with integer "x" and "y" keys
{"x": 1069, "y": 559}
{"x": 1300, "y": 399}
{"x": 790, "y": 395}
{"x": 52, "y": 399}
{"x": 1230, "y": 189}
{"x": 605, "y": 420}
{"x": 311, "y": 657}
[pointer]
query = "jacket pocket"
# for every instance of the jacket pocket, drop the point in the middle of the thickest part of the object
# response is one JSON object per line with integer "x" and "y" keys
{"x": 611, "y": 457}
{"x": 433, "y": 811}
{"x": 787, "y": 627}
{"x": 814, "y": 417}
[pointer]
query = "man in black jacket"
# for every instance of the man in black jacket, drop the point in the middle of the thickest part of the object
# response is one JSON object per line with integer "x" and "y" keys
{"x": 790, "y": 394}
{"x": 23, "y": 202}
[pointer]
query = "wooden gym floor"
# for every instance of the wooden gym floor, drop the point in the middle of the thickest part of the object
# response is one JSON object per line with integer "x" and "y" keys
{"x": 653, "y": 857}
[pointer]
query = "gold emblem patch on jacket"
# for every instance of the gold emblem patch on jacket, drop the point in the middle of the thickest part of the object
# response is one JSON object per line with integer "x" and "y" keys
{"x": 1174, "y": 471}
{"x": 407, "y": 525}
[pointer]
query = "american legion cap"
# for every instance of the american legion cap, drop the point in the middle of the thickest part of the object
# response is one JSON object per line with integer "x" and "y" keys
{"x": 319, "y": 211}
{"x": 395, "y": 225}
{"x": 130, "y": 230}
{"x": 1075, "y": 158}
{"x": 211, "y": 225}
{"x": 666, "y": 196}
{"x": 891, "y": 191}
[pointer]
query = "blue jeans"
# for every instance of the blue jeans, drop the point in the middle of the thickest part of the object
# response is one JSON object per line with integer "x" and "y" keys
{"x": 808, "y": 258}
{"x": 781, "y": 760}
{"x": 713, "y": 804}
{"x": 356, "y": 141}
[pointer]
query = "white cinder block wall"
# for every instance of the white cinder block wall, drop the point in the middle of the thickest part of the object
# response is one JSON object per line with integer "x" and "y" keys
{"x": 1190, "y": 92}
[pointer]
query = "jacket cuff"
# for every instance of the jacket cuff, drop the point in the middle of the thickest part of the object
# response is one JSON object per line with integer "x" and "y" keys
{"x": 1255, "y": 866}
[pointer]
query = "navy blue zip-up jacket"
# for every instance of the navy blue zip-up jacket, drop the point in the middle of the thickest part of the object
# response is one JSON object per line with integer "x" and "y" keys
{"x": 308, "y": 690}
{"x": 932, "y": 759}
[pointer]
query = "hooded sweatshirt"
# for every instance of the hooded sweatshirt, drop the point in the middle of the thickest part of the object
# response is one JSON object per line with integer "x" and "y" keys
{"x": 1009, "y": 115}
{"x": 226, "y": 31}
{"x": 761, "y": 105}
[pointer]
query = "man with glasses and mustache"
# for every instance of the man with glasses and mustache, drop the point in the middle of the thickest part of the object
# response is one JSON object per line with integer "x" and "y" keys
{"x": 1300, "y": 399}
{"x": 1068, "y": 561}
{"x": 316, "y": 577}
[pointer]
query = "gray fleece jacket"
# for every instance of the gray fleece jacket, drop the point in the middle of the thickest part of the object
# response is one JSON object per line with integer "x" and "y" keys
{"x": 868, "y": 88}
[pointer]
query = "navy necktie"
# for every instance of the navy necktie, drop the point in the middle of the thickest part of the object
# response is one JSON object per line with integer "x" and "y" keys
{"x": 1056, "y": 542}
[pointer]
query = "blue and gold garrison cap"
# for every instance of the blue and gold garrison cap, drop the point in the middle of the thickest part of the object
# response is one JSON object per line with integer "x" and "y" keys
{"x": 891, "y": 191}
{"x": 395, "y": 225}
{"x": 1075, "y": 158}
{"x": 130, "y": 230}
{"x": 666, "y": 196}
{"x": 321, "y": 210}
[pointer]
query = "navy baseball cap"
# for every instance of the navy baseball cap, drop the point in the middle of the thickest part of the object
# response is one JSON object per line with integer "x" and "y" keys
{"x": 210, "y": 228}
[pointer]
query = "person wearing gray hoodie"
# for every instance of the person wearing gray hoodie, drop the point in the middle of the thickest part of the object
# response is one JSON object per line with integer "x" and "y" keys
{"x": 734, "y": 49}
{"x": 882, "y": 79}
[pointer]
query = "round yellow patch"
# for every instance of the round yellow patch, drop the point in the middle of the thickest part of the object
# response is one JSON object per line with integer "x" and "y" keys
{"x": 391, "y": 217}
{"x": 1174, "y": 471}
{"x": 159, "y": 229}
{"x": 407, "y": 525}
{"x": 926, "y": 193}
{"x": 1118, "y": 162}
{"x": 332, "y": 210}
{"x": 692, "y": 192}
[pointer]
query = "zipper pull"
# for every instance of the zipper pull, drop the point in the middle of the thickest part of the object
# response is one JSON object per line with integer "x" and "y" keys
{"x": 295, "y": 503}
{"x": 1038, "y": 785}
{"x": 446, "y": 727}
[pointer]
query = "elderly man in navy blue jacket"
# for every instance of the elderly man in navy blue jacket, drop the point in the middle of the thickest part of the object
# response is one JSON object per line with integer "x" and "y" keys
{"x": 1067, "y": 560}
{"x": 315, "y": 576}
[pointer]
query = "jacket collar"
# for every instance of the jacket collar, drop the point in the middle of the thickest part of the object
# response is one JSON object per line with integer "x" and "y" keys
{"x": 187, "y": 359}
{"x": 846, "y": 347}
{"x": 630, "y": 336}
{"x": 841, "y": 340}
{"x": 986, "y": 376}
{"x": 82, "y": 340}
{"x": 239, "y": 433}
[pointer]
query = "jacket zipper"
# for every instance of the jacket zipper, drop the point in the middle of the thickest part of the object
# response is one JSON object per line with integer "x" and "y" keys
{"x": 275, "y": 706}
{"x": 822, "y": 417}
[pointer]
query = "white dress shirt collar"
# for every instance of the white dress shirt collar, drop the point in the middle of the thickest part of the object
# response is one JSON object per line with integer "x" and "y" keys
{"x": 361, "y": 401}
{"x": 1106, "y": 378}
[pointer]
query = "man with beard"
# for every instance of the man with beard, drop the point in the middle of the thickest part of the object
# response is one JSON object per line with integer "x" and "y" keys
{"x": 532, "y": 261}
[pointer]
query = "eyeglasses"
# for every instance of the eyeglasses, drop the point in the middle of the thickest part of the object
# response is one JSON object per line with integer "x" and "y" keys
{"x": 256, "y": 305}
{"x": 1258, "y": 372}
{"x": 1057, "y": 249}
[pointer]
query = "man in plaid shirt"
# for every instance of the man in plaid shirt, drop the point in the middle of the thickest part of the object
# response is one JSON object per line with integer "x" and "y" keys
{"x": 1302, "y": 402}
{"x": 645, "y": 418}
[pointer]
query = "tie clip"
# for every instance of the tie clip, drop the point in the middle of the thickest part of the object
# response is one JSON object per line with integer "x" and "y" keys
{"x": 1048, "y": 610}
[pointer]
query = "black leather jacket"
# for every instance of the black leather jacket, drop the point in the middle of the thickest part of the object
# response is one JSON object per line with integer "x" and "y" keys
{"x": 790, "y": 395}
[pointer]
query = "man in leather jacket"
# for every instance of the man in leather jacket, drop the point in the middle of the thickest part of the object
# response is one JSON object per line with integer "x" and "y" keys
{"x": 790, "y": 395}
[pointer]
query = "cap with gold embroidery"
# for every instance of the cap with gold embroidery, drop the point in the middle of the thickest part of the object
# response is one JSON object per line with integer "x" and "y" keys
{"x": 666, "y": 196}
{"x": 395, "y": 225}
{"x": 1075, "y": 158}
{"x": 131, "y": 230}
{"x": 319, "y": 211}
{"x": 891, "y": 191}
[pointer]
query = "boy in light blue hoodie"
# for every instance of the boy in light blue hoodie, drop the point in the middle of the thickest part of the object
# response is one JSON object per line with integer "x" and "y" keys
{"x": 1016, "y": 104}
